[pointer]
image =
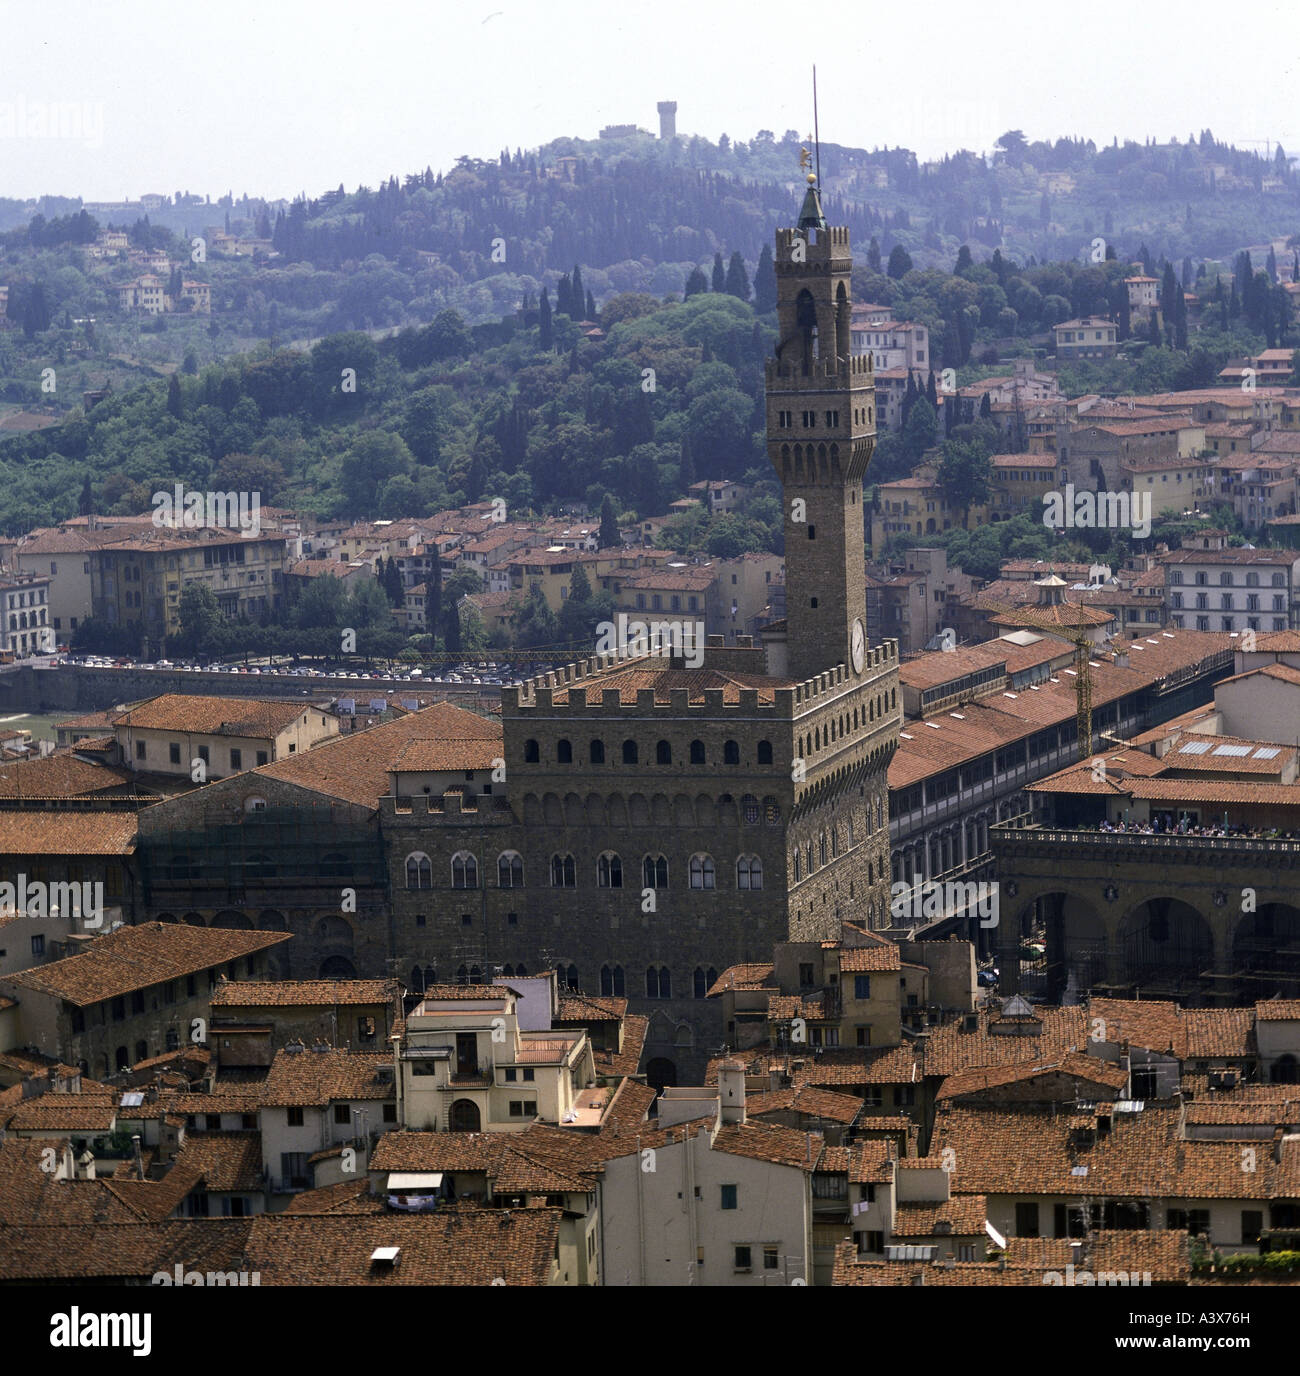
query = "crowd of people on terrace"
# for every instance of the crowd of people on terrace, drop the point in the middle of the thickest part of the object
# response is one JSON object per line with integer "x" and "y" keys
{"x": 1164, "y": 824}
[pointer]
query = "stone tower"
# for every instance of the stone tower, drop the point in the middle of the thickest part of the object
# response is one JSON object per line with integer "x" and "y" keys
{"x": 821, "y": 426}
{"x": 667, "y": 119}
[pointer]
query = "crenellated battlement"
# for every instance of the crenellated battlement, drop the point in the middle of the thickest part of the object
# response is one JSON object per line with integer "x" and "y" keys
{"x": 785, "y": 375}
{"x": 820, "y": 245}
{"x": 813, "y": 693}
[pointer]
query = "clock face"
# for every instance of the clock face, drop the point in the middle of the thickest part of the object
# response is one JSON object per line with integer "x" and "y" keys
{"x": 858, "y": 646}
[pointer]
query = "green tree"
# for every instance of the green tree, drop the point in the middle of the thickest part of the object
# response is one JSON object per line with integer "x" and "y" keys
{"x": 175, "y": 406}
{"x": 200, "y": 618}
{"x": 536, "y": 623}
{"x": 696, "y": 283}
{"x": 737, "y": 283}
{"x": 373, "y": 457}
{"x": 964, "y": 474}
{"x": 873, "y": 255}
{"x": 921, "y": 429}
{"x": 900, "y": 262}
{"x": 86, "y": 502}
{"x": 719, "y": 273}
{"x": 765, "y": 282}
{"x": 546, "y": 330}
{"x": 609, "y": 536}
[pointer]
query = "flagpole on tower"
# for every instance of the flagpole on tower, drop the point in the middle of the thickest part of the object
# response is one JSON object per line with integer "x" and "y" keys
{"x": 817, "y": 138}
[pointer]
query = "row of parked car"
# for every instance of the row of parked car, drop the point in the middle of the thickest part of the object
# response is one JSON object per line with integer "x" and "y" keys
{"x": 491, "y": 674}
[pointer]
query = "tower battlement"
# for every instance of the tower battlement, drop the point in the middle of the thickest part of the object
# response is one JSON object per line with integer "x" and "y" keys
{"x": 820, "y": 245}
{"x": 787, "y": 375}
{"x": 812, "y": 693}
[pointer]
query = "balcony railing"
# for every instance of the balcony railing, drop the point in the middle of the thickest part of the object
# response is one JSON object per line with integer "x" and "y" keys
{"x": 1059, "y": 836}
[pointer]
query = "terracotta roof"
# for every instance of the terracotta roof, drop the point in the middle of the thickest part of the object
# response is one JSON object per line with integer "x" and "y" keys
{"x": 79, "y": 1113}
{"x": 286, "y": 993}
{"x": 347, "y": 1197}
{"x": 59, "y": 776}
{"x": 1277, "y": 1010}
{"x": 316, "y": 1078}
{"x": 215, "y": 716}
{"x": 445, "y": 753}
{"x": 962, "y": 1215}
{"x": 742, "y": 977}
{"x": 628, "y": 1060}
{"x": 1073, "y": 1066}
{"x": 451, "y": 1247}
{"x": 815, "y": 1103}
{"x": 1030, "y": 1151}
{"x": 133, "y": 958}
{"x": 121, "y": 1249}
{"x": 586, "y": 1008}
{"x": 356, "y": 765}
{"x": 67, "y": 833}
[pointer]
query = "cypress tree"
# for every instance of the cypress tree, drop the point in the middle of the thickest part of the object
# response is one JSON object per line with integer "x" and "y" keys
{"x": 765, "y": 282}
{"x": 737, "y": 283}
{"x": 609, "y": 536}
{"x": 86, "y": 502}
{"x": 696, "y": 283}
{"x": 579, "y": 299}
{"x": 591, "y": 305}
{"x": 564, "y": 297}
{"x": 873, "y": 255}
{"x": 719, "y": 274}
{"x": 931, "y": 391}
{"x": 546, "y": 331}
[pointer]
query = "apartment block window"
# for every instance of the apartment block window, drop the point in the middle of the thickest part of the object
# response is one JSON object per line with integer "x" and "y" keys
{"x": 1027, "y": 1219}
{"x": 236, "y": 759}
{"x": 139, "y": 750}
{"x": 529, "y": 1075}
{"x": 729, "y": 1197}
{"x": 523, "y": 1108}
{"x": 174, "y": 753}
{"x": 294, "y": 1117}
{"x": 511, "y": 1074}
{"x": 809, "y": 420}
{"x": 38, "y": 945}
{"x": 261, "y": 757}
{"x": 771, "y": 1258}
{"x": 861, "y": 986}
{"x": 863, "y": 1036}
{"x": 744, "y": 1260}
{"x": 342, "y": 1114}
{"x": 785, "y": 419}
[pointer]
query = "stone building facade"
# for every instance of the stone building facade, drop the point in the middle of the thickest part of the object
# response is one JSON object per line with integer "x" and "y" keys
{"x": 648, "y": 820}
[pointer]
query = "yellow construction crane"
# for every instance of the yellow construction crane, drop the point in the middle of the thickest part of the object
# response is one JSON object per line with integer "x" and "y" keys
{"x": 1083, "y": 652}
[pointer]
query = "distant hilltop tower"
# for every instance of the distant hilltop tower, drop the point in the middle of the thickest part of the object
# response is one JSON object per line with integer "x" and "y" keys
{"x": 667, "y": 119}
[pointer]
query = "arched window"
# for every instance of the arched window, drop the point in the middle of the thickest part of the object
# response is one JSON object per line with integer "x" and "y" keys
{"x": 835, "y": 842}
{"x": 654, "y": 872}
{"x": 700, "y": 983}
{"x": 658, "y": 982}
{"x": 464, "y": 870}
{"x": 749, "y": 808}
{"x": 749, "y": 872}
{"x": 510, "y": 870}
{"x": 462, "y": 974}
{"x": 697, "y": 752}
{"x": 663, "y": 753}
{"x": 567, "y": 977}
{"x": 173, "y": 1039}
{"x": 430, "y": 976}
{"x": 703, "y": 875}
{"x": 629, "y": 752}
{"x": 416, "y": 984}
{"x": 564, "y": 874}
{"x": 730, "y": 753}
{"x": 609, "y": 871}
{"x": 809, "y": 857}
{"x": 797, "y": 866}
{"x": 597, "y": 752}
{"x": 563, "y": 752}
{"x": 612, "y": 982}
{"x": 507, "y": 970}
{"x": 765, "y": 752}
{"x": 141, "y": 1052}
{"x": 419, "y": 872}
{"x": 532, "y": 753}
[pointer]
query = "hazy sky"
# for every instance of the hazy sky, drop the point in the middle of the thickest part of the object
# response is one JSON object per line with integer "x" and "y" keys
{"x": 294, "y": 95}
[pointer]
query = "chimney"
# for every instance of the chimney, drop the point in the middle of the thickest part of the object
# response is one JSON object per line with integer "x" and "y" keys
{"x": 139, "y": 1159}
{"x": 774, "y": 1078}
{"x": 731, "y": 1091}
{"x": 86, "y": 1165}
